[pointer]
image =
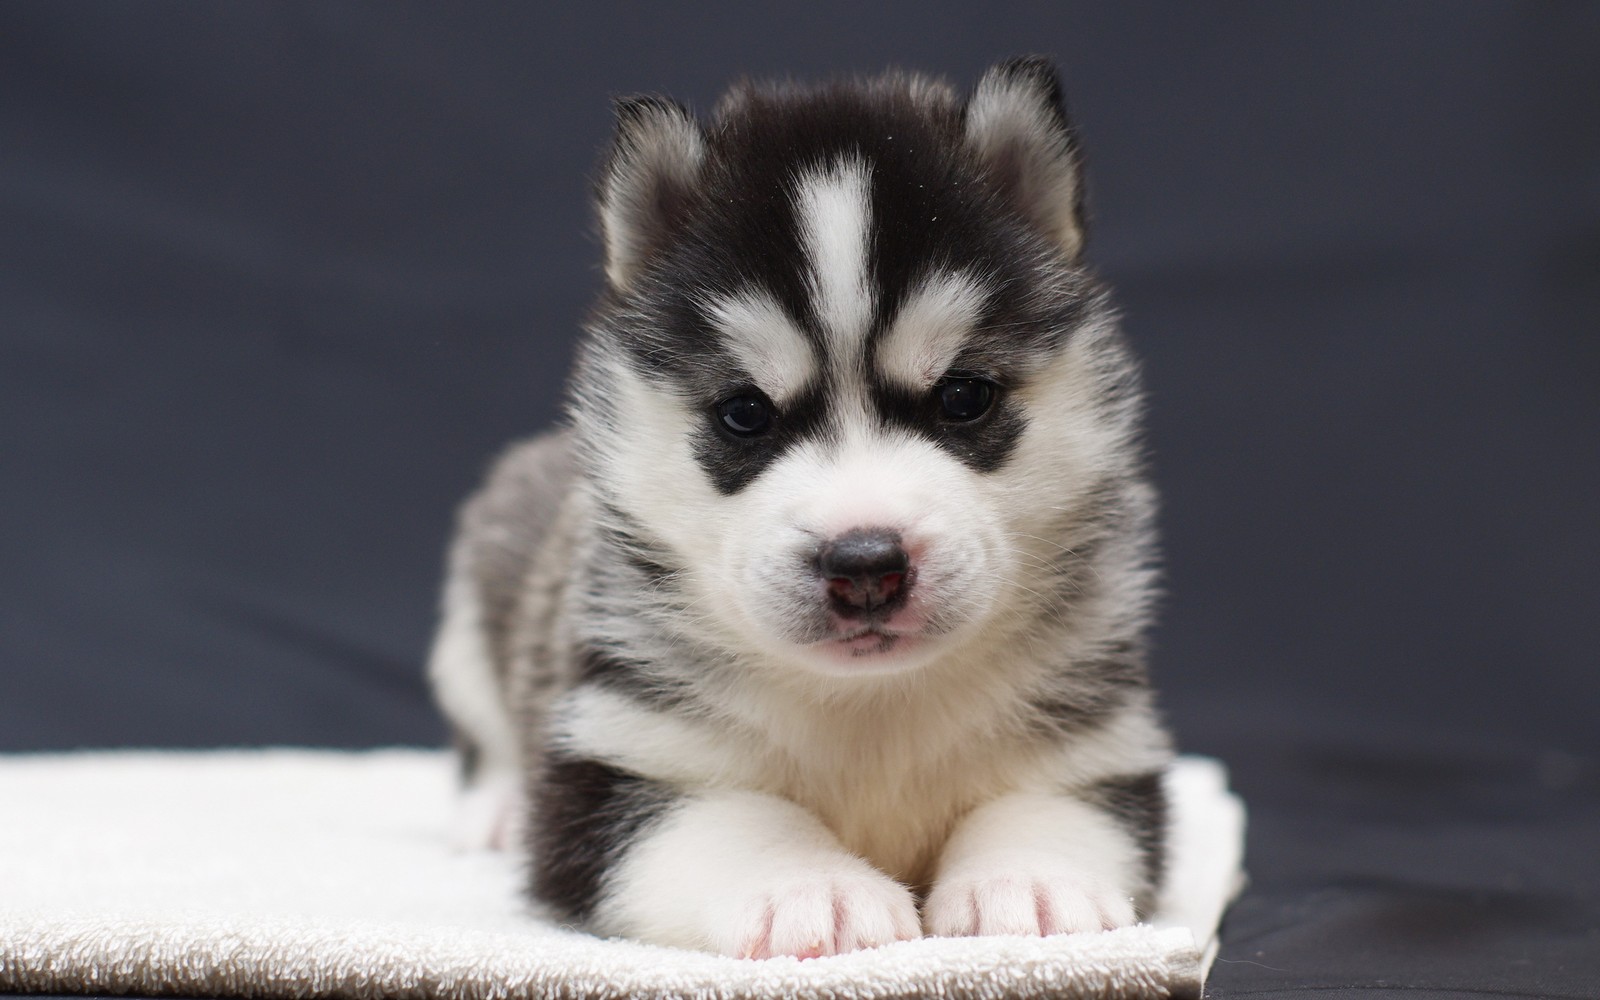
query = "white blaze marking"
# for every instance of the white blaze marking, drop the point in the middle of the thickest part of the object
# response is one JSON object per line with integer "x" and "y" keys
{"x": 765, "y": 340}
{"x": 835, "y": 215}
{"x": 930, "y": 328}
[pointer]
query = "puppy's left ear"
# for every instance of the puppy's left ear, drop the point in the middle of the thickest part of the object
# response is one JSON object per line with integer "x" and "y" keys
{"x": 1017, "y": 124}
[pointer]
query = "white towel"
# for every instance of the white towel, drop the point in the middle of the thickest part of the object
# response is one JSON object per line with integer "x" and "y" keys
{"x": 294, "y": 873}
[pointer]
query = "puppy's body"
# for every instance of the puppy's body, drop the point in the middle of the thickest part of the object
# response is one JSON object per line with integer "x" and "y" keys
{"x": 831, "y": 600}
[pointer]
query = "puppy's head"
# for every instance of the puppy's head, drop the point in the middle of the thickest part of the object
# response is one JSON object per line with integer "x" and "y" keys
{"x": 849, "y": 383}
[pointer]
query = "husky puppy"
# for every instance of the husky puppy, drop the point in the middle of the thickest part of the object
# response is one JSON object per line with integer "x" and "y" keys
{"x": 821, "y": 627}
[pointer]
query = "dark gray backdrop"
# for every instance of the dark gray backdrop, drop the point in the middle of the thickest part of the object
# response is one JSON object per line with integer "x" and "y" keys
{"x": 275, "y": 281}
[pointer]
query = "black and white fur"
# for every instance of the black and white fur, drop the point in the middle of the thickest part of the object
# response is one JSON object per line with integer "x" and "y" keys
{"x": 720, "y": 742}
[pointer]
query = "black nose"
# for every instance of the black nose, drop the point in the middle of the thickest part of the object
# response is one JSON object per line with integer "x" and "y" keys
{"x": 866, "y": 571}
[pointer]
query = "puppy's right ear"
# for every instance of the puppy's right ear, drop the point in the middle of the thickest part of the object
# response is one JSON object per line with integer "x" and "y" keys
{"x": 647, "y": 183}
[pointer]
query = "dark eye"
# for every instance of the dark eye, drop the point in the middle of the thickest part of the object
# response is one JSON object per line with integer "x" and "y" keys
{"x": 963, "y": 398}
{"x": 745, "y": 416}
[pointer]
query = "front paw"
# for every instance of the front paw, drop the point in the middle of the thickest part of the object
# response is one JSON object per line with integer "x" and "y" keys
{"x": 1019, "y": 901}
{"x": 812, "y": 915}
{"x": 489, "y": 815}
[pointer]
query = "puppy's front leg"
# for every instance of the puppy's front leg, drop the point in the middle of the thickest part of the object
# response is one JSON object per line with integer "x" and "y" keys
{"x": 736, "y": 872}
{"x": 1045, "y": 863}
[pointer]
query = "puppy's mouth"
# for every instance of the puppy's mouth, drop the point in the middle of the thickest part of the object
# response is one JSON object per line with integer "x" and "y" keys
{"x": 869, "y": 641}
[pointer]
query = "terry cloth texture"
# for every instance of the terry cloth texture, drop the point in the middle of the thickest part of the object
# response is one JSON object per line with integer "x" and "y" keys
{"x": 298, "y": 874}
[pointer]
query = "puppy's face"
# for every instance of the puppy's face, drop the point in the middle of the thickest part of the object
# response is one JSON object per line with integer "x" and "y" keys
{"x": 847, "y": 371}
